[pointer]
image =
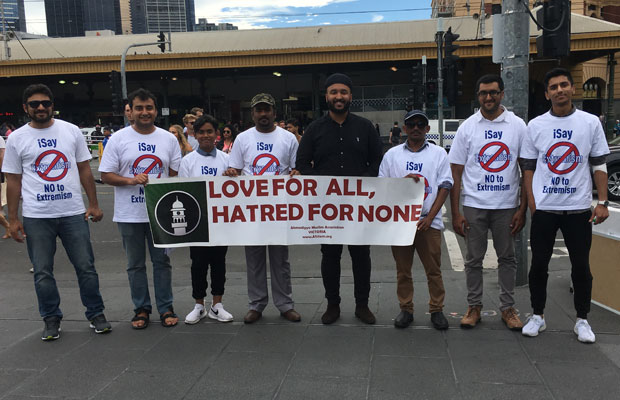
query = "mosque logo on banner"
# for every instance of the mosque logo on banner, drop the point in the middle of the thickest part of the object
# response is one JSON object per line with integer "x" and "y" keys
{"x": 177, "y": 212}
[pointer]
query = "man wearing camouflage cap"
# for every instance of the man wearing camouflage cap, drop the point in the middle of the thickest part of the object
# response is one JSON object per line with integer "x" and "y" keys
{"x": 266, "y": 149}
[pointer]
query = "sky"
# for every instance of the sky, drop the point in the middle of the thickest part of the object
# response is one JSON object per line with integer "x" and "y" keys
{"x": 262, "y": 14}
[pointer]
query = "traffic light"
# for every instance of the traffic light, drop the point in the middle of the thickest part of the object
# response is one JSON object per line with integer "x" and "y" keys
{"x": 554, "y": 16}
{"x": 161, "y": 39}
{"x": 417, "y": 74}
{"x": 409, "y": 101}
{"x": 431, "y": 92}
{"x": 449, "y": 47}
{"x": 117, "y": 92}
{"x": 452, "y": 68}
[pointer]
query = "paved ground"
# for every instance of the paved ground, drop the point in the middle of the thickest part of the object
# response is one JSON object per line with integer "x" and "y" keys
{"x": 276, "y": 359}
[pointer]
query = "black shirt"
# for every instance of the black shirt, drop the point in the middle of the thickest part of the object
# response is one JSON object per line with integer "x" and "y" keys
{"x": 395, "y": 134}
{"x": 350, "y": 149}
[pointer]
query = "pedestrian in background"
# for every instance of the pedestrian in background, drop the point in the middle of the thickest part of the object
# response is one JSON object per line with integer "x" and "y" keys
{"x": 184, "y": 146}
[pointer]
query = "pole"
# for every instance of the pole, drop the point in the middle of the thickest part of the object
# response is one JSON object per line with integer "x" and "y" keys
{"x": 515, "y": 73}
{"x": 424, "y": 84}
{"x": 123, "y": 59}
{"x": 611, "y": 120}
{"x": 483, "y": 16}
{"x": 439, "y": 40}
{"x": 4, "y": 38}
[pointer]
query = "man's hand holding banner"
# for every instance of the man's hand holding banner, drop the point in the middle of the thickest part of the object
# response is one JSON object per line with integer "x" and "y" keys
{"x": 282, "y": 210}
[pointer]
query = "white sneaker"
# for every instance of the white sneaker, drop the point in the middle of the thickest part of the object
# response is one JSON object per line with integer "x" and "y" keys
{"x": 217, "y": 312}
{"x": 583, "y": 331}
{"x": 534, "y": 324}
{"x": 196, "y": 314}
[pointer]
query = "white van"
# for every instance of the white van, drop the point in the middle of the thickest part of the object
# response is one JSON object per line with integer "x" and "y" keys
{"x": 450, "y": 126}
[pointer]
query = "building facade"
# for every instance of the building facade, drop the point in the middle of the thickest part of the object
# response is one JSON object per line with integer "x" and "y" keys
{"x": 203, "y": 25}
{"x": 68, "y": 18}
{"x": 151, "y": 16}
{"x": 14, "y": 15}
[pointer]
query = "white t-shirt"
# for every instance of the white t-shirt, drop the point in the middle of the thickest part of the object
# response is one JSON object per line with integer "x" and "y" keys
{"x": 2, "y": 143}
{"x": 431, "y": 163}
{"x": 195, "y": 164}
{"x": 562, "y": 147}
{"x": 192, "y": 142}
{"x": 257, "y": 153}
{"x": 489, "y": 151}
{"x": 47, "y": 160}
{"x": 129, "y": 153}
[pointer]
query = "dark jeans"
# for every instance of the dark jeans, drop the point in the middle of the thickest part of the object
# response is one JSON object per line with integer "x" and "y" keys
{"x": 577, "y": 232}
{"x": 41, "y": 234}
{"x": 330, "y": 270}
{"x": 202, "y": 257}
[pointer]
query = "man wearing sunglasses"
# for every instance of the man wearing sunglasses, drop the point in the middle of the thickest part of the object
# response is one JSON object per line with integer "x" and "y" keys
{"x": 421, "y": 161}
{"x": 483, "y": 158}
{"x": 46, "y": 160}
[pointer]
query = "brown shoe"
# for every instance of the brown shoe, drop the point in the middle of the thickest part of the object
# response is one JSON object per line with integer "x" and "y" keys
{"x": 331, "y": 315}
{"x": 511, "y": 319}
{"x": 365, "y": 315}
{"x": 472, "y": 317}
{"x": 291, "y": 315}
{"x": 252, "y": 316}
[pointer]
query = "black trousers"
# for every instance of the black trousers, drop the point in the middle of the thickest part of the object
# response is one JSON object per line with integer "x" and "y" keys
{"x": 577, "y": 232}
{"x": 330, "y": 270}
{"x": 202, "y": 257}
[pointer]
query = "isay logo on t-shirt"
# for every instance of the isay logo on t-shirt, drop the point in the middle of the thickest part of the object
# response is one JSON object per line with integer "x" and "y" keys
{"x": 147, "y": 164}
{"x": 265, "y": 163}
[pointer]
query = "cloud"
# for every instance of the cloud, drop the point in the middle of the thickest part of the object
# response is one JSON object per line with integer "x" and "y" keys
{"x": 377, "y": 18}
{"x": 253, "y": 14}
{"x": 326, "y": 23}
{"x": 292, "y": 21}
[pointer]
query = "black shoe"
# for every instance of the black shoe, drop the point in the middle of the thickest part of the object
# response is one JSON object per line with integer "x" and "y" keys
{"x": 100, "y": 324}
{"x": 331, "y": 315}
{"x": 404, "y": 319}
{"x": 365, "y": 315}
{"x": 439, "y": 321}
{"x": 52, "y": 328}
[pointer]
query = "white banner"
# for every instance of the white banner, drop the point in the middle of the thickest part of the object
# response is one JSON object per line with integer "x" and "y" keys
{"x": 260, "y": 210}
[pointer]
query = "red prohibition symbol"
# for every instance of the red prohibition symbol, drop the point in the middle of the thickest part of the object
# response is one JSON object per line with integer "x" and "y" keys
{"x": 59, "y": 157}
{"x": 487, "y": 165}
{"x": 156, "y": 162}
{"x": 272, "y": 160}
{"x": 426, "y": 191}
{"x": 571, "y": 149}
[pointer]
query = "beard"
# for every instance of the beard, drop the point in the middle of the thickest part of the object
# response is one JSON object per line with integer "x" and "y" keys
{"x": 343, "y": 110}
{"x": 41, "y": 118}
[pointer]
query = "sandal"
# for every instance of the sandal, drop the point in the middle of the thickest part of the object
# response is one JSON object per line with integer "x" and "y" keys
{"x": 168, "y": 314}
{"x": 138, "y": 317}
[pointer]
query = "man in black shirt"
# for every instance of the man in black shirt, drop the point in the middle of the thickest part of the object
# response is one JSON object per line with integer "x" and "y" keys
{"x": 342, "y": 144}
{"x": 395, "y": 135}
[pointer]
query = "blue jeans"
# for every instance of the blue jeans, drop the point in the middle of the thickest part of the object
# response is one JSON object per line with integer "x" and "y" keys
{"x": 73, "y": 231}
{"x": 136, "y": 238}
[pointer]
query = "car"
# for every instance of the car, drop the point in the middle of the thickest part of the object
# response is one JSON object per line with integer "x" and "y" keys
{"x": 613, "y": 169}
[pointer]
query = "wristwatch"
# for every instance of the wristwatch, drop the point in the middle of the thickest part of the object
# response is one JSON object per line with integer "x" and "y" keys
{"x": 604, "y": 203}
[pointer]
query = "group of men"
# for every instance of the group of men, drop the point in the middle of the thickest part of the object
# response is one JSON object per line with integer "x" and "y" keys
{"x": 48, "y": 157}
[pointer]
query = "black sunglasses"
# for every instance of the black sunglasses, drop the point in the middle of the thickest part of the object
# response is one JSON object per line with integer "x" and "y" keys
{"x": 37, "y": 103}
{"x": 419, "y": 124}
